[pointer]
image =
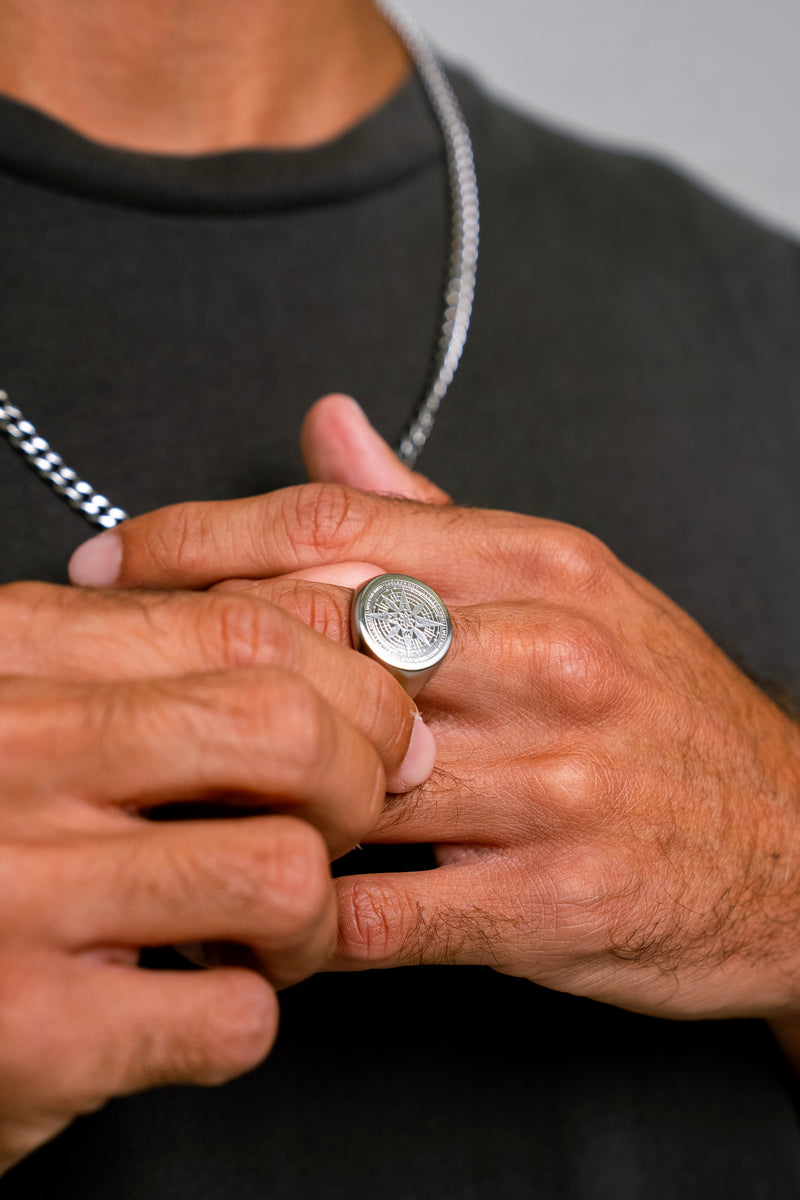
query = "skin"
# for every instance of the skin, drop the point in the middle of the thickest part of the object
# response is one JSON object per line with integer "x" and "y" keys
{"x": 615, "y": 805}
{"x": 179, "y": 78}
{"x": 112, "y": 706}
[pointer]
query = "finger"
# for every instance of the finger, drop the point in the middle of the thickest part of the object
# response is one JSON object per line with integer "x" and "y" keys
{"x": 475, "y": 799}
{"x": 344, "y": 575}
{"x": 261, "y": 882}
{"x": 339, "y": 445}
{"x": 203, "y": 1027}
{"x": 528, "y": 663}
{"x": 468, "y": 556}
{"x": 416, "y": 918}
{"x": 263, "y": 738}
{"x": 321, "y": 604}
{"x": 102, "y": 635}
{"x": 508, "y": 661}
{"x": 326, "y": 609}
{"x": 115, "y": 1030}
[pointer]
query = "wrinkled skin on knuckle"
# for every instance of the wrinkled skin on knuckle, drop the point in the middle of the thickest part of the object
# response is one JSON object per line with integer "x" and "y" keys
{"x": 322, "y": 518}
{"x": 241, "y": 631}
{"x": 373, "y": 923}
{"x": 326, "y": 610}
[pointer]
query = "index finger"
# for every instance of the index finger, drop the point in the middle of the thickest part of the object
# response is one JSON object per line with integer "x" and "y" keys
{"x": 198, "y": 544}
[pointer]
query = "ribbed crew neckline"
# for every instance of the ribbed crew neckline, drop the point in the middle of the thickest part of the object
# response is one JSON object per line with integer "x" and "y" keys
{"x": 398, "y": 139}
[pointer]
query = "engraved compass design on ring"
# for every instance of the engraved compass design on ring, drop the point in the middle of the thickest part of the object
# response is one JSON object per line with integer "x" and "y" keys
{"x": 404, "y": 624}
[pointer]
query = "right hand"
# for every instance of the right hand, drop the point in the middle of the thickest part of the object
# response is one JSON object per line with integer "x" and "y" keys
{"x": 112, "y": 705}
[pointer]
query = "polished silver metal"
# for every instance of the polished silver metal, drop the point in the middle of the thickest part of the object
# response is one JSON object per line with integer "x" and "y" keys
{"x": 464, "y": 227}
{"x": 403, "y": 624}
{"x": 79, "y": 494}
{"x": 459, "y": 293}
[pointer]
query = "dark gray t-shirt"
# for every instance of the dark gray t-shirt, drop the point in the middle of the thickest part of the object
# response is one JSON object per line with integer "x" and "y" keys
{"x": 634, "y": 367}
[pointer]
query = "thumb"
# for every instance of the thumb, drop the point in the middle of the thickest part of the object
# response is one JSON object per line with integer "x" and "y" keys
{"x": 339, "y": 445}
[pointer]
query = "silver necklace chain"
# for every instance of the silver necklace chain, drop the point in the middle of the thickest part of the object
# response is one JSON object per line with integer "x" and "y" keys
{"x": 459, "y": 293}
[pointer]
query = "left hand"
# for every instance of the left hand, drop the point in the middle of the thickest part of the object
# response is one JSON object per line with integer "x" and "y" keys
{"x": 616, "y": 807}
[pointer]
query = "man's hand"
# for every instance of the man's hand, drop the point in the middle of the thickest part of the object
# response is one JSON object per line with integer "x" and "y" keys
{"x": 111, "y": 706}
{"x": 615, "y": 806}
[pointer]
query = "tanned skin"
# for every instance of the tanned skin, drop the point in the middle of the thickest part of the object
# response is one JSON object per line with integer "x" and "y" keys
{"x": 189, "y": 78}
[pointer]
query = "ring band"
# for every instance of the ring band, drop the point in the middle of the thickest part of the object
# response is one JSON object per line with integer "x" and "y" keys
{"x": 404, "y": 625}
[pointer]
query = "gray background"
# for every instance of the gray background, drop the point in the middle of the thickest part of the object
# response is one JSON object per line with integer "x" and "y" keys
{"x": 712, "y": 84}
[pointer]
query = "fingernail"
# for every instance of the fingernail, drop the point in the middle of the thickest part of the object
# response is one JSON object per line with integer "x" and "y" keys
{"x": 97, "y": 562}
{"x": 418, "y": 762}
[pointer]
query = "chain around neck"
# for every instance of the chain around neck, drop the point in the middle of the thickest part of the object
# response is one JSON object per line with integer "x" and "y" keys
{"x": 459, "y": 293}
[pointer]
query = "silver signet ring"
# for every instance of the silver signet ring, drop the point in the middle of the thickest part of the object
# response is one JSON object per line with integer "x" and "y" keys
{"x": 404, "y": 625}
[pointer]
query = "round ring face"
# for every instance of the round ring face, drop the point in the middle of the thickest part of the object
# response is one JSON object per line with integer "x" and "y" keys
{"x": 403, "y": 622}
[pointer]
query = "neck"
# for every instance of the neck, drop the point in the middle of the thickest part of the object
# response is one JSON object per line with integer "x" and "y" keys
{"x": 173, "y": 77}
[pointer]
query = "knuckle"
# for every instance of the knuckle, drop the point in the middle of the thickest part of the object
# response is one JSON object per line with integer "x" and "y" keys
{"x": 581, "y": 789}
{"x": 243, "y": 631}
{"x": 274, "y": 882}
{"x": 247, "y": 712}
{"x": 296, "y": 875}
{"x": 320, "y": 610}
{"x": 581, "y": 561}
{"x": 232, "y": 1036}
{"x": 229, "y": 873}
{"x": 583, "y": 665}
{"x": 371, "y": 921}
{"x": 322, "y": 516}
